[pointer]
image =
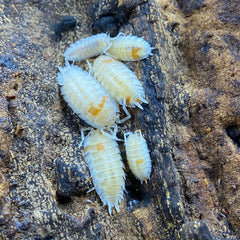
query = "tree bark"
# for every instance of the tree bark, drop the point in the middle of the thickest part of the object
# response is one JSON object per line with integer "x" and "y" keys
{"x": 191, "y": 122}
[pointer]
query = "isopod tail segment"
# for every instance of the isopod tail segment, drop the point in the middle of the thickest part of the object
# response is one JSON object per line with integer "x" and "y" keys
{"x": 106, "y": 168}
{"x": 138, "y": 156}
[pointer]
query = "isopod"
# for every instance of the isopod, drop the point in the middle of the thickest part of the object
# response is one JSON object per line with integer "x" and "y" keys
{"x": 106, "y": 167}
{"x": 121, "y": 83}
{"x": 138, "y": 156}
{"x": 129, "y": 48}
{"x": 88, "y": 47}
{"x": 87, "y": 97}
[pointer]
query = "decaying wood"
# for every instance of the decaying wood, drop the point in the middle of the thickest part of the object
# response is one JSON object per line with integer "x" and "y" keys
{"x": 191, "y": 123}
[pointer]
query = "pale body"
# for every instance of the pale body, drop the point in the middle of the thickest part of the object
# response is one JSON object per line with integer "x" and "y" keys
{"x": 121, "y": 83}
{"x": 88, "y": 47}
{"x": 106, "y": 168}
{"x": 138, "y": 156}
{"x": 129, "y": 48}
{"x": 87, "y": 97}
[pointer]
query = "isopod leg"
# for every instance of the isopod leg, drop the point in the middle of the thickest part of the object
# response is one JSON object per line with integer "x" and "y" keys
{"x": 120, "y": 35}
{"x": 112, "y": 134}
{"x": 90, "y": 190}
{"x": 90, "y": 67}
{"x": 125, "y": 136}
{"x": 107, "y": 134}
{"x": 126, "y": 111}
{"x": 105, "y": 50}
{"x": 108, "y": 54}
{"x": 115, "y": 129}
{"x": 82, "y": 135}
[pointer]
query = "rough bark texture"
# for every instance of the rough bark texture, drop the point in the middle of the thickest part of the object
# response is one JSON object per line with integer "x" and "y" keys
{"x": 191, "y": 123}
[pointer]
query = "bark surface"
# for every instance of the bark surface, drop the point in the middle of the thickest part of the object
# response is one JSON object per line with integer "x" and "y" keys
{"x": 191, "y": 123}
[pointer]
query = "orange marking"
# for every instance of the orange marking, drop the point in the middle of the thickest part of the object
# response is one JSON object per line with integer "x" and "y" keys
{"x": 139, "y": 161}
{"x": 139, "y": 101}
{"x": 107, "y": 60}
{"x": 96, "y": 110}
{"x": 100, "y": 147}
{"x": 135, "y": 51}
{"x": 128, "y": 98}
{"x": 86, "y": 148}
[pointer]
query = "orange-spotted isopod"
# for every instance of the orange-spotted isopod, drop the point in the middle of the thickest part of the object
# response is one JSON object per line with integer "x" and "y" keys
{"x": 106, "y": 167}
{"x": 87, "y": 97}
{"x": 138, "y": 156}
{"x": 129, "y": 48}
{"x": 121, "y": 83}
{"x": 88, "y": 47}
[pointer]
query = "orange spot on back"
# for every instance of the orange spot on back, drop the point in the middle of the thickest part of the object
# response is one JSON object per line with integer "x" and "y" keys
{"x": 100, "y": 147}
{"x": 96, "y": 110}
{"x": 139, "y": 161}
{"x": 135, "y": 53}
{"x": 139, "y": 101}
{"x": 128, "y": 98}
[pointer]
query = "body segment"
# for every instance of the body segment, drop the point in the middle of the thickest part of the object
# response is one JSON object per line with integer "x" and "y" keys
{"x": 138, "y": 156}
{"x": 87, "y": 97}
{"x": 106, "y": 168}
{"x": 121, "y": 83}
{"x": 129, "y": 48}
{"x": 88, "y": 47}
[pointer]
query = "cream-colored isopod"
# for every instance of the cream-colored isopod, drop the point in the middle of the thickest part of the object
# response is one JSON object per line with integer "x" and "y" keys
{"x": 138, "y": 156}
{"x": 121, "y": 83}
{"x": 129, "y": 48}
{"x": 106, "y": 167}
{"x": 87, "y": 97}
{"x": 88, "y": 47}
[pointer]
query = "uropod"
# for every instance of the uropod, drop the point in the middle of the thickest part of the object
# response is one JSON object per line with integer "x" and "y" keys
{"x": 87, "y": 97}
{"x": 106, "y": 167}
{"x": 129, "y": 48}
{"x": 88, "y": 47}
{"x": 121, "y": 83}
{"x": 138, "y": 156}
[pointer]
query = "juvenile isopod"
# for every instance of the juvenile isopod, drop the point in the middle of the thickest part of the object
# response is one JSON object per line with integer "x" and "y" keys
{"x": 106, "y": 167}
{"x": 121, "y": 83}
{"x": 138, "y": 156}
{"x": 129, "y": 48}
{"x": 87, "y": 97}
{"x": 88, "y": 47}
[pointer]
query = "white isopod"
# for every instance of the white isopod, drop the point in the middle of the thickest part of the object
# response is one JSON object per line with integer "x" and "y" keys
{"x": 87, "y": 97}
{"x": 121, "y": 83}
{"x": 138, "y": 156}
{"x": 88, "y": 47}
{"x": 106, "y": 168}
{"x": 129, "y": 48}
